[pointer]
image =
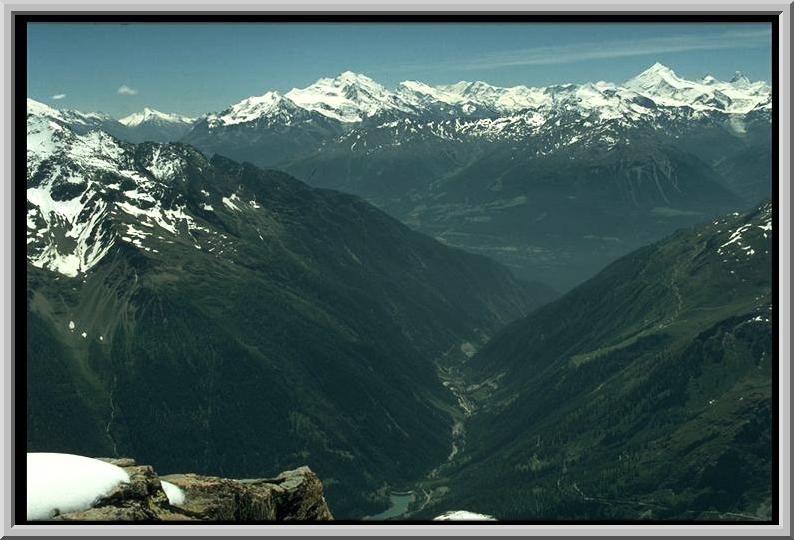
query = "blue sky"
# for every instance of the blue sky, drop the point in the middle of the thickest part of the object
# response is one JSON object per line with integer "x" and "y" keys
{"x": 196, "y": 68}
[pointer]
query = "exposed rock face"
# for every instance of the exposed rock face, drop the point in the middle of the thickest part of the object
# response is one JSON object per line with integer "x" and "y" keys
{"x": 295, "y": 495}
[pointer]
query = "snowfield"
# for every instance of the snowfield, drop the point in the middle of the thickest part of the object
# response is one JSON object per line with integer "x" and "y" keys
{"x": 463, "y": 515}
{"x": 60, "y": 483}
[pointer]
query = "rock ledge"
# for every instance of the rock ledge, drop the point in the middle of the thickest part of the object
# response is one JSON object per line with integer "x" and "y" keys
{"x": 295, "y": 495}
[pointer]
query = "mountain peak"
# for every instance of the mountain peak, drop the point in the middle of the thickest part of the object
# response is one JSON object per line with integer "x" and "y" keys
{"x": 658, "y": 79}
{"x": 659, "y": 67}
{"x": 353, "y": 76}
{"x": 149, "y": 115}
{"x": 255, "y": 107}
{"x": 345, "y": 79}
{"x": 739, "y": 77}
{"x": 657, "y": 70}
{"x": 348, "y": 97}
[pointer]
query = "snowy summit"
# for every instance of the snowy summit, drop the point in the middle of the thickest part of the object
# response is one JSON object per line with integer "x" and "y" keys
{"x": 152, "y": 116}
{"x": 350, "y": 97}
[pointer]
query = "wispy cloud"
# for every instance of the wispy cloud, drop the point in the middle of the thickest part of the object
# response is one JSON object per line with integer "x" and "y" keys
{"x": 605, "y": 49}
{"x": 125, "y": 90}
{"x": 58, "y": 96}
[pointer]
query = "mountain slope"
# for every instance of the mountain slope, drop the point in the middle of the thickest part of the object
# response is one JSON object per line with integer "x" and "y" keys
{"x": 556, "y": 218}
{"x": 642, "y": 394}
{"x": 213, "y": 316}
{"x": 77, "y": 121}
{"x": 264, "y": 130}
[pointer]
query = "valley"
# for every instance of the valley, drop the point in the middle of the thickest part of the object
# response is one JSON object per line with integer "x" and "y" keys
{"x": 406, "y": 503}
{"x": 319, "y": 341}
{"x": 567, "y": 453}
{"x": 544, "y": 303}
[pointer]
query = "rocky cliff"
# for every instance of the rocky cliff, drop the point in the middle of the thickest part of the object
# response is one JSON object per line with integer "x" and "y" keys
{"x": 295, "y": 495}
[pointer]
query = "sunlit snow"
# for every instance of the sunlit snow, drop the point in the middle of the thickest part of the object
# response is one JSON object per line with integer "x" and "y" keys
{"x": 174, "y": 493}
{"x": 60, "y": 483}
{"x": 463, "y": 515}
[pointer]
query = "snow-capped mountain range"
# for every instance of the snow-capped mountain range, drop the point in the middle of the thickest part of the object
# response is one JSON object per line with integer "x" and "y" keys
{"x": 354, "y": 98}
{"x": 357, "y": 113}
{"x": 80, "y": 171}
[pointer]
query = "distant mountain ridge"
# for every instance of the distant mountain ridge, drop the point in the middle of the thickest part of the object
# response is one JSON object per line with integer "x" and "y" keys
{"x": 146, "y": 125}
{"x": 502, "y": 171}
{"x": 352, "y": 98}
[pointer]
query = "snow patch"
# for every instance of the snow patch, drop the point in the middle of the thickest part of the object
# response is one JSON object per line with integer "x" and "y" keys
{"x": 60, "y": 483}
{"x": 463, "y": 515}
{"x": 174, "y": 493}
{"x": 231, "y": 202}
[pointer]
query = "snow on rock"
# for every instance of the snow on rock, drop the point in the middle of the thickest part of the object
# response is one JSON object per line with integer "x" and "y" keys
{"x": 153, "y": 116}
{"x": 175, "y": 494}
{"x": 463, "y": 515}
{"x": 231, "y": 202}
{"x": 349, "y": 97}
{"x": 165, "y": 163}
{"x": 71, "y": 118}
{"x": 271, "y": 105}
{"x": 661, "y": 84}
{"x": 75, "y": 208}
{"x": 60, "y": 483}
{"x": 736, "y": 236}
{"x": 741, "y": 237}
{"x": 78, "y": 214}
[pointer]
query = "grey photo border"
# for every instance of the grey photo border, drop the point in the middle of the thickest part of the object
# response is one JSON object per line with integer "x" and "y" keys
{"x": 413, "y": 6}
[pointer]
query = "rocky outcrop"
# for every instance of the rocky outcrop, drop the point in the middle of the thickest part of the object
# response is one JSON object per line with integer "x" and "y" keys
{"x": 295, "y": 495}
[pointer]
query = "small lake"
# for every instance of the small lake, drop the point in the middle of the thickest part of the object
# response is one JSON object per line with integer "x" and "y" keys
{"x": 399, "y": 505}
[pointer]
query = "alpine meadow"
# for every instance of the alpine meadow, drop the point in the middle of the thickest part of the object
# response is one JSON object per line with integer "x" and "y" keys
{"x": 304, "y": 272}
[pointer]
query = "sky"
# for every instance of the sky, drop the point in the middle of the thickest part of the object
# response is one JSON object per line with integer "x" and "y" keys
{"x": 192, "y": 69}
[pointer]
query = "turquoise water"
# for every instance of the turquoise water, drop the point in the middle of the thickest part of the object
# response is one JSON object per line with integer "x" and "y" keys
{"x": 399, "y": 505}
